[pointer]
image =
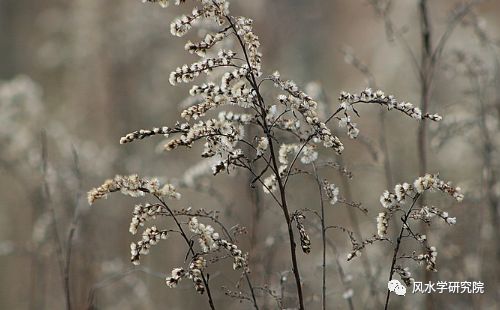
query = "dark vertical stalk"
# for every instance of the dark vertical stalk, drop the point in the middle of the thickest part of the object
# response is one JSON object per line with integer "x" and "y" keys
{"x": 284, "y": 205}
{"x": 286, "y": 213}
{"x": 256, "y": 201}
{"x": 252, "y": 291}
{"x": 425, "y": 96}
{"x": 494, "y": 199}
{"x": 396, "y": 248}
{"x": 490, "y": 177}
{"x": 323, "y": 238}
{"x": 425, "y": 79}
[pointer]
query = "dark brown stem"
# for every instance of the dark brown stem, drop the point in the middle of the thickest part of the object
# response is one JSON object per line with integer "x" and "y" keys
{"x": 323, "y": 238}
{"x": 252, "y": 291}
{"x": 293, "y": 245}
{"x": 340, "y": 270}
{"x": 257, "y": 206}
{"x": 426, "y": 64}
{"x": 426, "y": 69}
{"x": 490, "y": 177}
{"x": 396, "y": 248}
{"x": 284, "y": 205}
{"x": 189, "y": 244}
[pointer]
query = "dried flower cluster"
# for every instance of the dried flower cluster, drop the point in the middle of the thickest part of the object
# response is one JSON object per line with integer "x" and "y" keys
{"x": 133, "y": 186}
{"x": 151, "y": 236}
{"x": 177, "y": 275}
{"x": 144, "y": 213}
{"x": 299, "y": 101}
{"x": 405, "y": 191}
{"x": 196, "y": 267}
{"x": 209, "y": 240}
{"x": 382, "y": 224}
{"x": 305, "y": 241}
{"x": 268, "y": 138}
{"x": 368, "y": 96}
{"x": 143, "y": 133}
{"x": 332, "y": 192}
{"x": 426, "y": 213}
{"x": 429, "y": 258}
{"x": 396, "y": 201}
{"x": 405, "y": 275}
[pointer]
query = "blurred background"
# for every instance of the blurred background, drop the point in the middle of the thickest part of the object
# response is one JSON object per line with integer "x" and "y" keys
{"x": 77, "y": 75}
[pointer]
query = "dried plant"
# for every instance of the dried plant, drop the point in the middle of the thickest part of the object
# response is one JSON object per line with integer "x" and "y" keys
{"x": 403, "y": 200}
{"x": 282, "y": 208}
{"x": 275, "y": 138}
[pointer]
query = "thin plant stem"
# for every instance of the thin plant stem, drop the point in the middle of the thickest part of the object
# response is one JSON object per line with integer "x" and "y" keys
{"x": 488, "y": 149}
{"x": 293, "y": 245}
{"x": 398, "y": 244}
{"x": 51, "y": 209}
{"x": 323, "y": 238}
{"x": 324, "y": 242}
{"x": 425, "y": 96}
{"x": 189, "y": 244}
{"x": 281, "y": 186}
{"x": 72, "y": 229}
{"x": 357, "y": 231}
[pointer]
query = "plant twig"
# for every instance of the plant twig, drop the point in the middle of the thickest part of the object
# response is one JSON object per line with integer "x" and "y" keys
{"x": 398, "y": 244}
